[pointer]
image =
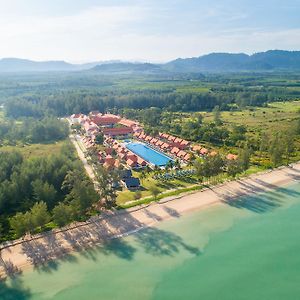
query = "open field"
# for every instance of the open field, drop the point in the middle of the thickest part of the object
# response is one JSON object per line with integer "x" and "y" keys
{"x": 34, "y": 150}
{"x": 277, "y": 114}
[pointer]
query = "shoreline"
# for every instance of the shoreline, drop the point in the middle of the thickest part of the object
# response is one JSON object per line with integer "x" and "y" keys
{"x": 52, "y": 246}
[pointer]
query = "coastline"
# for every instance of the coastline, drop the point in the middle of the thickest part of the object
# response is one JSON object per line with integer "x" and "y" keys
{"x": 40, "y": 249}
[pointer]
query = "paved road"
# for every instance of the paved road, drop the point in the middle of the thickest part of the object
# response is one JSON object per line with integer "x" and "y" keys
{"x": 80, "y": 148}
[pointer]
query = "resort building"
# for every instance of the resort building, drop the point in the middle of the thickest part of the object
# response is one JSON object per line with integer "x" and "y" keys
{"x": 106, "y": 120}
{"x": 132, "y": 183}
{"x": 117, "y": 131}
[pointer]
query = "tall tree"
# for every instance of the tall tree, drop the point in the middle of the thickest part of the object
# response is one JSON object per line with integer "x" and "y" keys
{"x": 39, "y": 214}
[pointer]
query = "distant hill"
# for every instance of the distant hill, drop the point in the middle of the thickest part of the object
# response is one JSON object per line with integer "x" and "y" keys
{"x": 272, "y": 60}
{"x": 128, "y": 68}
{"x": 227, "y": 62}
{"x": 25, "y": 65}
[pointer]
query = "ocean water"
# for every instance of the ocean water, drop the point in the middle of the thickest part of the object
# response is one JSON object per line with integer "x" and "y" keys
{"x": 247, "y": 249}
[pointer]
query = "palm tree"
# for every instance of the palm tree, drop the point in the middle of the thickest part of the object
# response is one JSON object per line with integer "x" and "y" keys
{"x": 177, "y": 164}
{"x": 143, "y": 175}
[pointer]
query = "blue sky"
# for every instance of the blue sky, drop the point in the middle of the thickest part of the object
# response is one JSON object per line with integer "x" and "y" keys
{"x": 88, "y": 30}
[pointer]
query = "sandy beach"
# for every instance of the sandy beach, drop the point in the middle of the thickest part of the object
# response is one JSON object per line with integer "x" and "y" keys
{"x": 40, "y": 249}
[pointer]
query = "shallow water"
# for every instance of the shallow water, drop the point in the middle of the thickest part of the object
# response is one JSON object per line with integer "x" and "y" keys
{"x": 247, "y": 251}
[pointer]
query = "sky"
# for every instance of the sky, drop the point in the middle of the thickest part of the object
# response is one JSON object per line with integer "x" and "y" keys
{"x": 153, "y": 30}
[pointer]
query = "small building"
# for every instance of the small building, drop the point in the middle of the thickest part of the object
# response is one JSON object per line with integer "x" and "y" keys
{"x": 231, "y": 156}
{"x": 197, "y": 148}
{"x": 132, "y": 157}
{"x": 178, "y": 140}
{"x": 203, "y": 151}
{"x": 130, "y": 163}
{"x": 165, "y": 146}
{"x": 175, "y": 150}
{"x": 132, "y": 183}
{"x": 90, "y": 127}
{"x": 171, "y": 138}
{"x": 122, "y": 155}
{"x": 159, "y": 143}
{"x": 141, "y": 162}
{"x": 126, "y": 173}
{"x": 187, "y": 157}
{"x": 181, "y": 154}
{"x": 117, "y": 163}
{"x": 109, "y": 160}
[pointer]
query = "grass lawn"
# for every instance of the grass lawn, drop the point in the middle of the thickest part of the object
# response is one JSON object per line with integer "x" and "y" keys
{"x": 126, "y": 195}
{"x": 36, "y": 149}
{"x": 276, "y": 115}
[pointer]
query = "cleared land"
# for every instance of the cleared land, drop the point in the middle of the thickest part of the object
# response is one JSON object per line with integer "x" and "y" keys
{"x": 36, "y": 149}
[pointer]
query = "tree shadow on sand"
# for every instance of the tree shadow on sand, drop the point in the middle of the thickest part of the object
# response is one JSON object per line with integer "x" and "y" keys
{"x": 255, "y": 197}
{"x": 105, "y": 236}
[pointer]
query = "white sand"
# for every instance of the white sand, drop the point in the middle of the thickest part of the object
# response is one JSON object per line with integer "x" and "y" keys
{"x": 21, "y": 254}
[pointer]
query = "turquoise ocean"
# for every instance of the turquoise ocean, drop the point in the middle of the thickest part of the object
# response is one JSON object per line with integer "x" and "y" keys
{"x": 246, "y": 249}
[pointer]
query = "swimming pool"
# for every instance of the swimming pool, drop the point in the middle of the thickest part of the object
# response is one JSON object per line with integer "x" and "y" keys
{"x": 152, "y": 156}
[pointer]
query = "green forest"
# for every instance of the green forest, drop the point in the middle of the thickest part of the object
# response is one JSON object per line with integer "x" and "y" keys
{"x": 42, "y": 182}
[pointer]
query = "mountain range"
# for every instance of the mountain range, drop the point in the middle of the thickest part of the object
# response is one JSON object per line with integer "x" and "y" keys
{"x": 272, "y": 60}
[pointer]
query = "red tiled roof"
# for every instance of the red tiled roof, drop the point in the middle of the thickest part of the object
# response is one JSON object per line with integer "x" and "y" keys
{"x": 153, "y": 141}
{"x": 117, "y": 163}
{"x": 184, "y": 142}
{"x": 213, "y": 153}
{"x": 132, "y": 157}
{"x": 181, "y": 154}
{"x": 108, "y": 150}
{"x": 109, "y": 160}
{"x": 117, "y": 131}
{"x": 187, "y": 157}
{"x": 122, "y": 155}
{"x": 128, "y": 123}
{"x": 197, "y": 148}
{"x": 175, "y": 150}
{"x": 105, "y": 119}
{"x": 130, "y": 163}
{"x": 165, "y": 146}
{"x": 203, "y": 151}
{"x": 171, "y": 138}
{"x": 178, "y": 140}
{"x": 141, "y": 162}
{"x": 231, "y": 156}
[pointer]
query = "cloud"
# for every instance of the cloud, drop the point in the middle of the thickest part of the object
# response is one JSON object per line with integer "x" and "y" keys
{"x": 138, "y": 31}
{"x": 104, "y": 19}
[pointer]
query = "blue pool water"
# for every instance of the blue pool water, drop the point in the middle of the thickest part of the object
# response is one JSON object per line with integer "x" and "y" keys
{"x": 148, "y": 154}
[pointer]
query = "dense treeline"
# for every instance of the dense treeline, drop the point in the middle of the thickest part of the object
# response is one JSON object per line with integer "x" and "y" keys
{"x": 68, "y": 103}
{"x": 40, "y": 187}
{"x": 30, "y": 130}
{"x": 62, "y": 95}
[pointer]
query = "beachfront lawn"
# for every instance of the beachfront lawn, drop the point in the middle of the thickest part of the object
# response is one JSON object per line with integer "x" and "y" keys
{"x": 147, "y": 183}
